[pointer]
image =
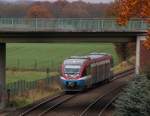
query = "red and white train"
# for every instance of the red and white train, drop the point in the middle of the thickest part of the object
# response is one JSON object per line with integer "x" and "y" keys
{"x": 81, "y": 72}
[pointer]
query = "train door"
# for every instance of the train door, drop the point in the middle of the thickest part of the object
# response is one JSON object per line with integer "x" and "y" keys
{"x": 102, "y": 74}
{"x": 87, "y": 73}
{"x": 97, "y": 79}
{"x": 108, "y": 67}
{"x": 99, "y": 72}
{"x": 94, "y": 72}
{"x": 104, "y": 70}
{"x": 109, "y": 70}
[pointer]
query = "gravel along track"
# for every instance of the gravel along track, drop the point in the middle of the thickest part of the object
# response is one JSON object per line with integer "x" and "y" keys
{"x": 78, "y": 104}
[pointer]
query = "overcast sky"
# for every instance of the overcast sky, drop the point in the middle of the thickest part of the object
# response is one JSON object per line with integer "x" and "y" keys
{"x": 93, "y": 1}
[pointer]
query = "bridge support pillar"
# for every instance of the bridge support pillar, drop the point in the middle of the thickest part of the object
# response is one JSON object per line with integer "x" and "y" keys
{"x": 139, "y": 45}
{"x": 2, "y": 75}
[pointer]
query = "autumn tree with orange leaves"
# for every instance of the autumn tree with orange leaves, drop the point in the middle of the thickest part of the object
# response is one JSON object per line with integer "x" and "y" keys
{"x": 130, "y": 8}
{"x": 39, "y": 11}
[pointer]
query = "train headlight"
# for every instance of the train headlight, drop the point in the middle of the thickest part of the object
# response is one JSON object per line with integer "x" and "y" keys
{"x": 77, "y": 75}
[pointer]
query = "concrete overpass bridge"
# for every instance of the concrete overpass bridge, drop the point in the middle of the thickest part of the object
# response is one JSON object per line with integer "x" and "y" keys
{"x": 21, "y": 30}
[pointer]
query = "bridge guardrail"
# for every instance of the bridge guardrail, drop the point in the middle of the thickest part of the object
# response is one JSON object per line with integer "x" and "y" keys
{"x": 71, "y": 25}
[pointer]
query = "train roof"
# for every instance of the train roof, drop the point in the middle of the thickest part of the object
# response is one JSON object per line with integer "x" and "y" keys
{"x": 79, "y": 60}
{"x": 96, "y": 55}
{"x": 79, "y": 57}
{"x": 74, "y": 61}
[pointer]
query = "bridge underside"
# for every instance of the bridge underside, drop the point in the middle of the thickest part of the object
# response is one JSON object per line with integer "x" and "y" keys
{"x": 47, "y": 37}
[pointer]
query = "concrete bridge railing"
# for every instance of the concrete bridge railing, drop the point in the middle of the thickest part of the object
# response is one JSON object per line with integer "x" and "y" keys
{"x": 70, "y": 25}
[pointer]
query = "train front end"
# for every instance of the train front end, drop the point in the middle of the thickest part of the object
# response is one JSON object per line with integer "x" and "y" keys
{"x": 71, "y": 75}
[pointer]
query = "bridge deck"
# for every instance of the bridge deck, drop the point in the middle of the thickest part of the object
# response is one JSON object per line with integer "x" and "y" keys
{"x": 46, "y": 37}
{"x": 69, "y": 30}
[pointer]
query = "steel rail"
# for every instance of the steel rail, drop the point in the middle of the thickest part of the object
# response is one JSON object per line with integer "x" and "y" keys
{"x": 118, "y": 76}
{"x": 107, "y": 105}
{"x": 40, "y": 104}
{"x": 98, "y": 99}
{"x": 123, "y": 74}
{"x": 56, "y": 105}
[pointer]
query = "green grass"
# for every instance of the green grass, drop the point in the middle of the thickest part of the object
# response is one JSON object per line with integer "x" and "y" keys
{"x": 50, "y": 55}
{"x": 13, "y": 76}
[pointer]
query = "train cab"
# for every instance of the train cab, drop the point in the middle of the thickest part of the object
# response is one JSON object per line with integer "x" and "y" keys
{"x": 74, "y": 73}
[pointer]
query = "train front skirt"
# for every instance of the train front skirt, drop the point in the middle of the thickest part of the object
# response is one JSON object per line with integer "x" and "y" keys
{"x": 73, "y": 85}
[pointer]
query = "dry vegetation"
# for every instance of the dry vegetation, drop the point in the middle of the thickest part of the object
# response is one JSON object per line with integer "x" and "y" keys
{"x": 125, "y": 65}
{"x": 31, "y": 96}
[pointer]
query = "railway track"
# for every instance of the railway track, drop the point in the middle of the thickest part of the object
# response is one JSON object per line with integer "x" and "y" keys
{"x": 47, "y": 105}
{"x": 101, "y": 113}
{"x": 101, "y": 99}
{"x": 56, "y": 105}
{"x": 50, "y": 105}
{"x": 102, "y": 102}
{"x": 123, "y": 74}
{"x": 26, "y": 112}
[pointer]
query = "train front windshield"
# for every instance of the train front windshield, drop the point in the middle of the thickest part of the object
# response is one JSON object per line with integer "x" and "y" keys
{"x": 69, "y": 69}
